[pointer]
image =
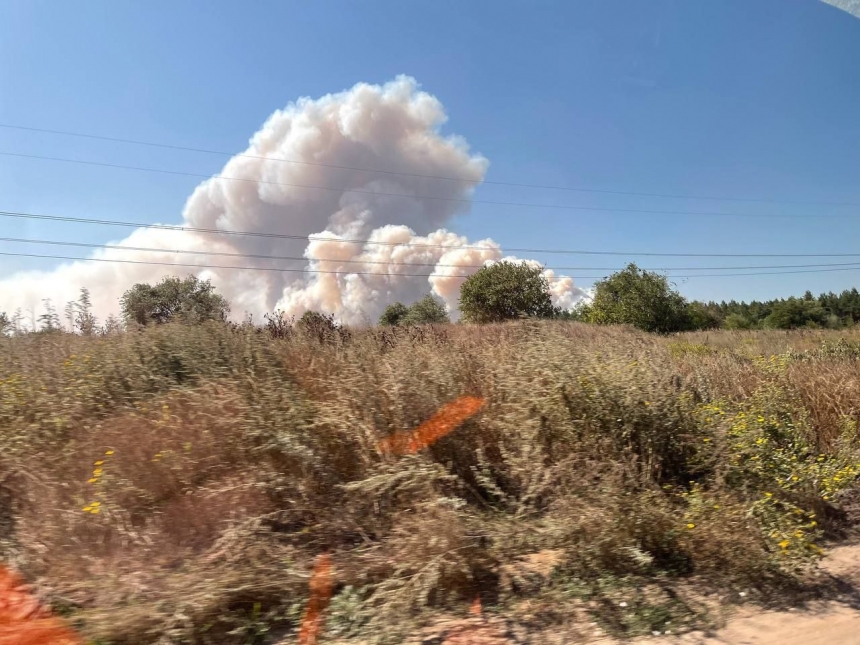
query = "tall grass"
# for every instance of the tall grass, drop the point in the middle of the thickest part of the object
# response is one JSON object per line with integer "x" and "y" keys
{"x": 175, "y": 485}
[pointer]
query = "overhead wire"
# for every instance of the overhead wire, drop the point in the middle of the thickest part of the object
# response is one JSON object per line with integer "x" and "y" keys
{"x": 242, "y": 268}
{"x": 372, "y": 273}
{"x": 121, "y": 247}
{"x": 371, "y": 242}
{"x": 9, "y": 126}
{"x": 459, "y": 200}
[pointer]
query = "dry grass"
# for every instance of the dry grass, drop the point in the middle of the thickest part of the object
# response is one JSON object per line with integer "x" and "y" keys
{"x": 230, "y": 460}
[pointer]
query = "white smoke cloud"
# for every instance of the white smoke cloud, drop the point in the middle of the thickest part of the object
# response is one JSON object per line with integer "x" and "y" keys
{"x": 849, "y": 6}
{"x": 390, "y": 127}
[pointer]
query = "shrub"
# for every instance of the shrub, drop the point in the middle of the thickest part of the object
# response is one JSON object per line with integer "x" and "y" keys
{"x": 190, "y": 300}
{"x": 639, "y": 298}
{"x": 505, "y": 291}
{"x": 426, "y": 311}
{"x": 225, "y": 459}
{"x": 393, "y": 314}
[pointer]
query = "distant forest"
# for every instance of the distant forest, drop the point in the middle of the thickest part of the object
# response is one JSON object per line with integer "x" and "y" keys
{"x": 828, "y": 310}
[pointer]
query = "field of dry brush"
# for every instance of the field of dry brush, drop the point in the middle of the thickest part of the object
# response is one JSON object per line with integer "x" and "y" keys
{"x": 176, "y": 485}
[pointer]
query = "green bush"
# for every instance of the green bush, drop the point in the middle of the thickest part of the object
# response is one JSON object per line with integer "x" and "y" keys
{"x": 190, "y": 300}
{"x": 427, "y": 311}
{"x": 506, "y": 291}
{"x": 639, "y": 298}
{"x": 393, "y": 314}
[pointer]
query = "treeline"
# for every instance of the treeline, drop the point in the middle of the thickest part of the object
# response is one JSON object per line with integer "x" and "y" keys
{"x": 77, "y": 317}
{"x": 830, "y": 310}
{"x": 496, "y": 293}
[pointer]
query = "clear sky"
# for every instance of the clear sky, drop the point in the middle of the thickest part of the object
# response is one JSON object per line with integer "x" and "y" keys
{"x": 738, "y": 98}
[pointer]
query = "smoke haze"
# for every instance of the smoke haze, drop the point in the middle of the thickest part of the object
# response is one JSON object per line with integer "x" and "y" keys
{"x": 390, "y": 127}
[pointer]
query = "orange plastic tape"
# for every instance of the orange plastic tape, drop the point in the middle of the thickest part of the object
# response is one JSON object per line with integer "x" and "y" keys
{"x": 440, "y": 424}
{"x": 23, "y": 620}
{"x": 322, "y": 586}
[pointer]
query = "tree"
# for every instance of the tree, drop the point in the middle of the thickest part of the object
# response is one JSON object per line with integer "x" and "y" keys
{"x": 426, "y": 311}
{"x": 506, "y": 291}
{"x": 112, "y": 325}
{"x": 17, "y": 322}
{"x": 323, "y": 327}
{"x": 69, "y": 312}
{"x": 393, "y": 314}
{"x": 315, "y": 321}
{"x": 701, "y": 316}
{"x": 190, "y": 301}
{"x": 737, "y": 321}
{"x": 640, "y": 298}
{"x": 85, "y": 322}
{"x": 49, "y": 321}
{"x": 796, "y": 312}
{"x": 5, "y": 324}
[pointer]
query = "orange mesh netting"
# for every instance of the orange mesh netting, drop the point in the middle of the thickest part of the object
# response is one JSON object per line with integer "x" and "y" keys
{"x": 444, "y": 421}
{"x": 23, "y": 620}
{"x": 322, "y": 586}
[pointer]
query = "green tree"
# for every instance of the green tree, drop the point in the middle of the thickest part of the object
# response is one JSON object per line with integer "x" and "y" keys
{"x": 737, "y": 321}
{"x": 701, "y": 316}
{"x": 506, "y": 291}
{"x": 322, "y": 327}
{"x": 426, "y": 311}
{"x": 5, "y": 324}
{"x": 190, "y": 300}
{"x": 393, "y": 314}
{"x": 796, "y": 312}
{"x": 640, "y": 298}
{"x": 315, "y": 321}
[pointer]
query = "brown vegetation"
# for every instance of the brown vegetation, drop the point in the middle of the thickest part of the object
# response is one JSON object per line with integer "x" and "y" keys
{"x": 176, "y": 484}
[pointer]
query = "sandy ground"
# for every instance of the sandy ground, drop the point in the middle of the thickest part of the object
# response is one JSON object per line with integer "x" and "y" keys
{"x": 824, "y": 623}
{"x": 832, "y": 622}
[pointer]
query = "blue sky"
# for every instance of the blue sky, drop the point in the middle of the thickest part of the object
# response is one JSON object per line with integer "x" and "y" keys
{"x": 732, "y": 98}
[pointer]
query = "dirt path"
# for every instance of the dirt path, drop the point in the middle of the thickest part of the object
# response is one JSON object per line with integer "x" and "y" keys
{"x": 832, "y": 622}
{"x": 830, "y": 625}
{"x": 822, "y": 623}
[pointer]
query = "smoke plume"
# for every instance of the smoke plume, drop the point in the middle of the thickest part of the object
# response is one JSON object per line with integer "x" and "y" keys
{"x": 285, "y": 183}
{"x": 849, "y": 6}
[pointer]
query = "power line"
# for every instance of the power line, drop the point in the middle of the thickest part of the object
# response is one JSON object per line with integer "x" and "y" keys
{"x": 242, "y": 268}
{"x": 165, "y": 146}
{"x": 306, "y": 238}
{"x": 457, "y": 200}
{"x": 116, "y": 247}
{"x": 392, "y": 275}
